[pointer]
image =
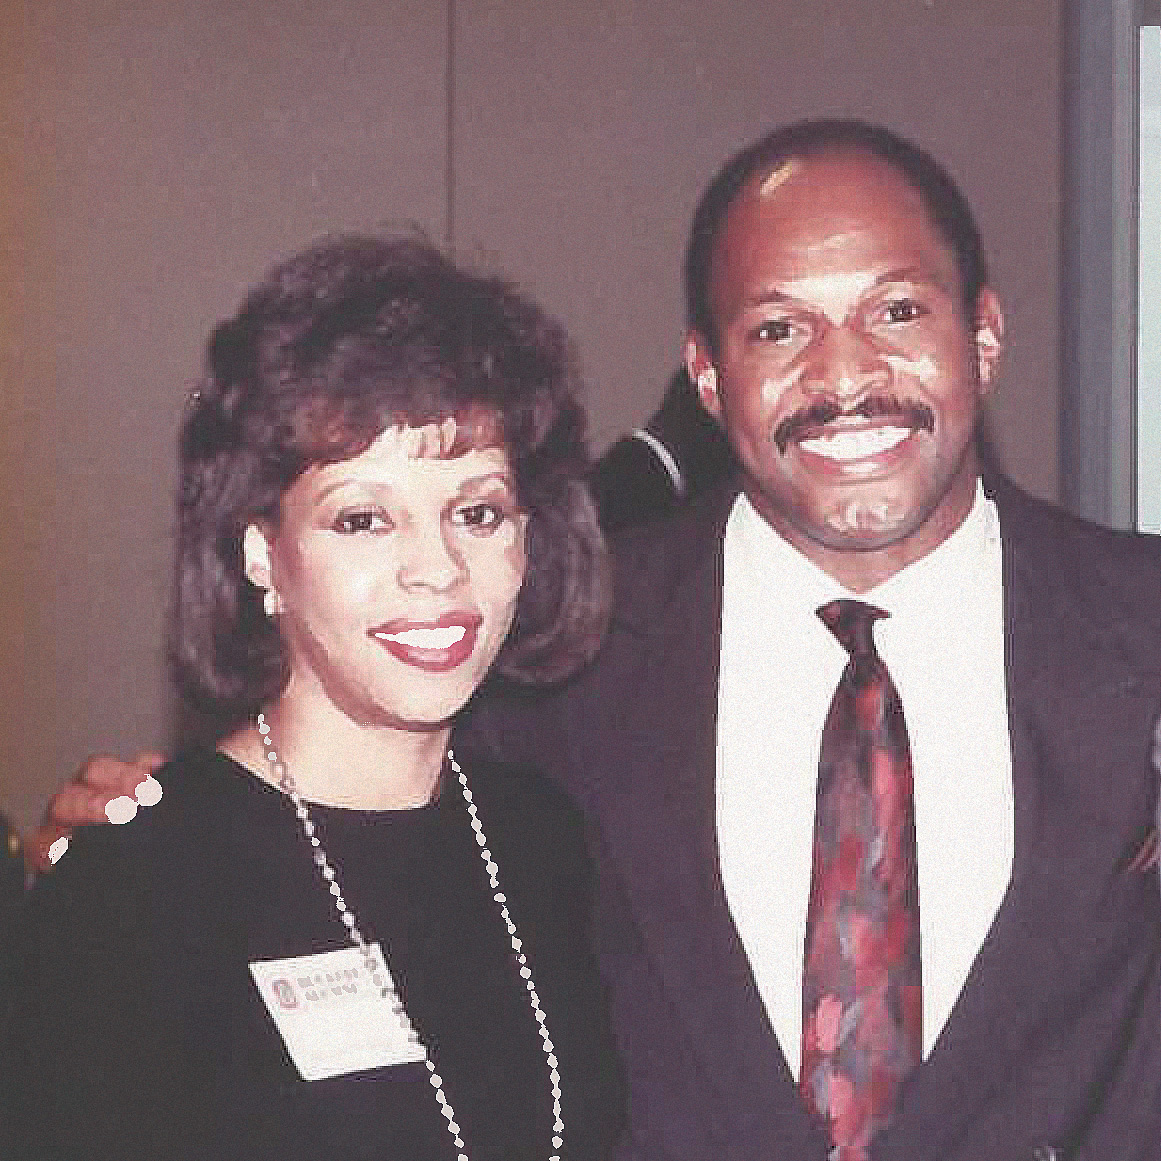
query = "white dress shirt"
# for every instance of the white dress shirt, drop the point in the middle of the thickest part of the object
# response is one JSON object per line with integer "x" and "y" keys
{"x": 943, "y": 644}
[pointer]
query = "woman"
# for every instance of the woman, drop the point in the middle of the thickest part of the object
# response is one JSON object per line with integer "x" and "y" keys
{"x": 337, "y": 935}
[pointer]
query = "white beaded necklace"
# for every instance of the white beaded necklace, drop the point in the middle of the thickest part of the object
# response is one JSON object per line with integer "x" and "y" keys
{"x": 287, "y": 785}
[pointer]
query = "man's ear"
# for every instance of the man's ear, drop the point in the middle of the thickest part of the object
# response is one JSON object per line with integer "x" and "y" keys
{"x": 702, "y": 373}
{"x": 256, "y": 557}
{"x": 988, "y": 336}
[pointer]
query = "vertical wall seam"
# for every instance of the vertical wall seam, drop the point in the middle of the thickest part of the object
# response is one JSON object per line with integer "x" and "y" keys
{"x": 449, "y": 175}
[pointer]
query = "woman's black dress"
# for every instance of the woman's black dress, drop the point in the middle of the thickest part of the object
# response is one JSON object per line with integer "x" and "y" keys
{"x": 138, "y": 1032}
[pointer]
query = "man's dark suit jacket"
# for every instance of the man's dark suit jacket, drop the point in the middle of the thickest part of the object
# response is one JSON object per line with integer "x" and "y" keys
{"x": 1053, "y": 1049}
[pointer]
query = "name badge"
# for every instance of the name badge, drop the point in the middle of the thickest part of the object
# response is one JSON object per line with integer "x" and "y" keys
{"x": 330, "y": 1014}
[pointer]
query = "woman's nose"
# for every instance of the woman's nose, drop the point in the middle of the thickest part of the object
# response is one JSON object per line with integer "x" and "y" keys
{"x": 431, "y": 561}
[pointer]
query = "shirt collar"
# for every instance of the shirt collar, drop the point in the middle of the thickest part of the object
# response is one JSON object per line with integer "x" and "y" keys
{"x": 939, "y": 576}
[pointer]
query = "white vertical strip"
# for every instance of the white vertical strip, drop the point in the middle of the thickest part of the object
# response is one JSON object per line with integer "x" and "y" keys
{"x": 449, "y": 175}
{"x": 1148, "y": 411}
{"x": 1122, "y": 409}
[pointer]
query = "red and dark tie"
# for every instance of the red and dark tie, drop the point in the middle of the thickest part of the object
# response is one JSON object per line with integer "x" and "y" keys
{"x": 861, "y": 987}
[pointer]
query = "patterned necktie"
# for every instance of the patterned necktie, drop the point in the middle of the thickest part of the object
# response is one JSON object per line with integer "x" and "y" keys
{"x": 861, "y": 999}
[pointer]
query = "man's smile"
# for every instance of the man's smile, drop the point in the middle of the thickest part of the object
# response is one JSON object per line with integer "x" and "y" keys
{"x": 870, "y": 418}
{"x": 847, "y": 444}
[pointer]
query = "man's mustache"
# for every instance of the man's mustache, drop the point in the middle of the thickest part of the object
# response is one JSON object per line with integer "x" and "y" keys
{"x": 908, "y": 412}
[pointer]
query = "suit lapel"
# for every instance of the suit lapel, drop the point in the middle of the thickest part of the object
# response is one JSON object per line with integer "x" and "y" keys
{"x": 1070, "y": 720}
{"x": 661, "y": 830}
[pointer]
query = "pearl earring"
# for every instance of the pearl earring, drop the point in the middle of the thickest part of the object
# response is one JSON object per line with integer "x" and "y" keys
{"x": 707, "y": 380}
{"x": 271, "y": 602}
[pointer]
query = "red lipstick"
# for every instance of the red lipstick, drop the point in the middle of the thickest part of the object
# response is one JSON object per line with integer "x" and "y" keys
{"x": 436, "y": 645}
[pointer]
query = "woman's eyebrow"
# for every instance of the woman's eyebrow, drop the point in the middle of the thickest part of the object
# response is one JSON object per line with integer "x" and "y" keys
{"x": 478, "y": 483}
{"x": 344, "y": 481}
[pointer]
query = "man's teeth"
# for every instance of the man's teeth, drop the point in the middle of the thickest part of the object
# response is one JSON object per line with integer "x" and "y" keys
{"x": 435, "y": 638}
{"x": 854, "y": 445}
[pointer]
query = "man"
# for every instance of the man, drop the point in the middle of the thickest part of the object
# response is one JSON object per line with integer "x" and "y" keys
{"x": 880, "y": 894}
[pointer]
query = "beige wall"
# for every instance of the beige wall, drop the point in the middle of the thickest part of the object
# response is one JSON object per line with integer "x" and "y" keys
{"x": 170, "y": 150}
{"x": 585, "y": 132}
{"x": 159, "y": 153}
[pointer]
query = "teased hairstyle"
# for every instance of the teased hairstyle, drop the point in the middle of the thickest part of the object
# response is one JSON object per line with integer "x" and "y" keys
{"x": 946, "y": 206}
{"x": 341, "y": 341}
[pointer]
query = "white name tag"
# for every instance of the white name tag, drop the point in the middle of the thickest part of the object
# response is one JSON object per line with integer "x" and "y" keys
{"x": 330, "y": 1014}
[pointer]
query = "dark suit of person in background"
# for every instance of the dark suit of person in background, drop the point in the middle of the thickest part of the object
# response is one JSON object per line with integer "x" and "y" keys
{"x": 12, "y": 875}
{"x": 11, "y": 883}
{"x": 654, "y": 470}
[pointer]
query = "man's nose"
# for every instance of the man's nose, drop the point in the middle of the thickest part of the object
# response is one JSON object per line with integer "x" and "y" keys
{"x": 845, "y": 364}
{"x": 431, "y": 560}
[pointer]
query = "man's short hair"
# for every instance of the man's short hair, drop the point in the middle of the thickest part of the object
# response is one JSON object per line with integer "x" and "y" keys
{"x": 946, "y": 206}
{"x": 343, "y": 340}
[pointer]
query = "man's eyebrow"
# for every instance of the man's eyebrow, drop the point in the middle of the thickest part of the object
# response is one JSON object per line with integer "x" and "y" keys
{"x": 913, "y": 274}
{"x": 773, "y": 295}
{"x": 766, "y": 298}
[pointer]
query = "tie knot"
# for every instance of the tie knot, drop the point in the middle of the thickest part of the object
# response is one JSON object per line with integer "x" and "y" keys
{"x": 852, "y": 623}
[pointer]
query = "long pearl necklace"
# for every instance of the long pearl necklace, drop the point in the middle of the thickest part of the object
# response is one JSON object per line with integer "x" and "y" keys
{"x": 287, "y": 785}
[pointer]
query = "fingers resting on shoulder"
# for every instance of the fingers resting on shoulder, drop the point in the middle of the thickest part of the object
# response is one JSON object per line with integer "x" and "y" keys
{"x": 104, "y": 789}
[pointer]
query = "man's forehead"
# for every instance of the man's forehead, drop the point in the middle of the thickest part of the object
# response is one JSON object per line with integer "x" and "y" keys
{"x": 795, "y": 164}
{"x": 780, "y": 174}
{"x": 834, "y": 176}
{"x": 840, "y": 287}
{"x": 841, "y": 213}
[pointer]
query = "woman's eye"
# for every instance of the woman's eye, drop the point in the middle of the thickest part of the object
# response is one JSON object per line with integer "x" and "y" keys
{"x": 903, "y": 310}
{"x": 361, "y": 520}
{"x": 480, "y": 517}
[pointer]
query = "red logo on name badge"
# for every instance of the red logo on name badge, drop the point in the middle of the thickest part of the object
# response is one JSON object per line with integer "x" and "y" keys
{"x": 285, "y": 994}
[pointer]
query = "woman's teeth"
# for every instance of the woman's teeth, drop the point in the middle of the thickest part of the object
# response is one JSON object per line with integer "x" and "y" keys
{"x": 436, "y": 638}
{"x": 855, "y": 445}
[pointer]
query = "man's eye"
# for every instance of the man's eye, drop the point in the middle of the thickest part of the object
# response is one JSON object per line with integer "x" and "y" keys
{"x": 775, "y": 330}
{"x": 361, "y": 520}
{"x": 903, "y": 310}
{"x": 479, "y": 517}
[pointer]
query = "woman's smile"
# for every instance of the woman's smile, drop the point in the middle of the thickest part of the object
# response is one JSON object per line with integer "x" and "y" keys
{"x": 436, "y": 645}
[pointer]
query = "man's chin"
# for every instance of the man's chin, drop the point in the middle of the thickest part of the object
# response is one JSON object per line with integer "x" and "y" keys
{"x": 872, "y": 516}
{"x": 848, "y": 528}
{"x": 862, "y": 526}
